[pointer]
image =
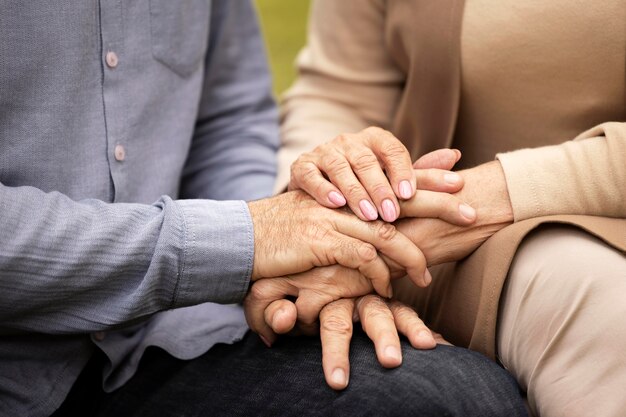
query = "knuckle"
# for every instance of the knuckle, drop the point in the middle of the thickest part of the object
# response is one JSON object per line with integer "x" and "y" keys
{"x": 381, "y": 191}
{"x": 386, "y": 231}
{"x": 332, "y": 323}
{"x": 335, "y": 162}
{"x": 395, "y": 152}
{"x": 375, "y": 309}
{"x": 259, "y": 291}
{"x": 365, "y": 160}
{"x": 354, "y": 190}
{"x": 367, "y": 252}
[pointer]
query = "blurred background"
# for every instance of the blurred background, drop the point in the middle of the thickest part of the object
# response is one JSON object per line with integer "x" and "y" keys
{"x": 284, "y": 27}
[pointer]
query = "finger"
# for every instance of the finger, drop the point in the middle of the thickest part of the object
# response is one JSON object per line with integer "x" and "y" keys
{"x": 444, "y": 206}
{"x": 441, "y": 159}
{"x": 396, "y": 160}
{"x": 378, "y": 322}
{"x": 262, "y": 293}
{"x": 306, "y": 175}
{"x": 353, "y": 253}
{"x": 409, "y": 324}
{"x": 440, "y": 340}
{"x": 328, "y": 284}
{"x": 309, "y": 305}
{"x": 438, "y": 180}
{"x": 370, "y": 173}
{"x": 388, "y": 241}
{"x": 339, "y": 171}
{"x": 281, "y": 316}
{"x": 335, "y": 334}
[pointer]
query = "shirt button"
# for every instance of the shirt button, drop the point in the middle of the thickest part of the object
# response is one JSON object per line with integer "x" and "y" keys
{"x": 111, "y": 59}
{"x": 120, "y": 153}
{"x": 99, "y": 336}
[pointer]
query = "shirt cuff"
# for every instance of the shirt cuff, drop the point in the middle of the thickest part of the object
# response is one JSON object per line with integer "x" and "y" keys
{"x": 218, "y": 252}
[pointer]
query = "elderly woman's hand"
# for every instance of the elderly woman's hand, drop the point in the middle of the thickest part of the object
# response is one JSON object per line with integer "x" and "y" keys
{"x": 371, "y": 170}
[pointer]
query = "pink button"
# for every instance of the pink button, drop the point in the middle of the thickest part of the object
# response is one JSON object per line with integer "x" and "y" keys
{"x": 120, "y": 153}
{"x": 111, "y": 59}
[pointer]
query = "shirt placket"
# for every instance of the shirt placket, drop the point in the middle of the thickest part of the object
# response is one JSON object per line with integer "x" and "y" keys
{"x": 113, "y": 54}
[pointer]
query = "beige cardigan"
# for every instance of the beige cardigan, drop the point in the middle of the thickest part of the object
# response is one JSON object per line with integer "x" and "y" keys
{"x": 487, "y": 77}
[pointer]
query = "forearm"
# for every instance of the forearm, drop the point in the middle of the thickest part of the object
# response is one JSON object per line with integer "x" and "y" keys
{"x": 586, "y": 176}
{"x": 68, "y": 267}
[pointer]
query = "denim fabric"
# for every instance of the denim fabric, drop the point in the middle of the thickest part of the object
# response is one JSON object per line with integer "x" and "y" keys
{"x": 248, "y": 379}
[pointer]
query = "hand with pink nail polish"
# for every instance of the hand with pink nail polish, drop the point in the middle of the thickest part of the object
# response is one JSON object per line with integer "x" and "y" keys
{"x": 371, "y": 172}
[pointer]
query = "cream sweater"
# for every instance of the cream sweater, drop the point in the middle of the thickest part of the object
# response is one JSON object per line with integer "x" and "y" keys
{"x": 534, "y": 73}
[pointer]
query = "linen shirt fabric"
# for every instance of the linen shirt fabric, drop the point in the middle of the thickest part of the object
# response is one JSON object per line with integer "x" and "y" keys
{"x": 110, "y": 171}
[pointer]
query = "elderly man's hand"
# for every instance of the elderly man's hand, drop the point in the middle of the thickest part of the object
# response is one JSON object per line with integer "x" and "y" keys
{"x": 293, "y": 233}
{"x": 382, "y": 320}
{"x": 312, "y": 289}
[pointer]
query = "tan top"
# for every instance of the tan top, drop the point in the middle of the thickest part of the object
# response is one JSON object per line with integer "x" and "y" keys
{"x": 487, "y": 77}
{"x": 533, "y": 73}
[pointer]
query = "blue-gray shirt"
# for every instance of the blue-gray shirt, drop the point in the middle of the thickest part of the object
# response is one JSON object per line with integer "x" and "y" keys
{"x": 121, "y": 123}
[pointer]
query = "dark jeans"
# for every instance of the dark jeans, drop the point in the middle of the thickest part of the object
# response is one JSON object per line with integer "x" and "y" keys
{"x": 248, "y": 379}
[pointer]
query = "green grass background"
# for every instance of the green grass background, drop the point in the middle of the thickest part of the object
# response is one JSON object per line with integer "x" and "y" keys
{"x": 284, "y": 27}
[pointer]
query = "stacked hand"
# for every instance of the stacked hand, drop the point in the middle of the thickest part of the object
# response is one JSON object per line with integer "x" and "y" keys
{"x": 330, "y": 260}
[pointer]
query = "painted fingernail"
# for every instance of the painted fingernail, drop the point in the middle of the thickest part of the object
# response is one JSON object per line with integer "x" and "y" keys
{"x": 267, "y": 342}
{"x": 389, "y": 211}
{"x": 428, "y": 278}
{"x": 393, "y": 352}
{"x": 368, "y": 210}
{"x": 452, "y": 178}
{"x": 405, "y": 189}
{"x": 336, "y": 198}
{"x": 425, "y": 337}
{"x": 339, "y": 377}
{"x": 467, "y": 211}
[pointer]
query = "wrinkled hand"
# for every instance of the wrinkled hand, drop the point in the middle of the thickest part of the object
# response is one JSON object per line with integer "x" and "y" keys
{"x": 292, "y": 233}
{"x": 485, "y": 189}
{"x": 370, "y": 171}
{"x": 314, "y": 289}
{"x": 381, "y": 320}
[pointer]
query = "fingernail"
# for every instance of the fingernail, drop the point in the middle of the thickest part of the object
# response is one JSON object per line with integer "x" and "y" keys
{"x": 428, "y": 278}
{"x": 405, "y": 189}
{"x": 389, "y": 292}
{"x": 267, "y": 342}
{"x": 426, "y": 337}
{"x": 389, "y": 211}
{"x": 339, "y": 377}
{"x": 458, "y": 154}
{"x": 393, "y": 353}
{"x": 467, "y": 211}
{"x": 336, "y": 198}
{"x": 368, "y": 210}
{"x": 452, "y": 178}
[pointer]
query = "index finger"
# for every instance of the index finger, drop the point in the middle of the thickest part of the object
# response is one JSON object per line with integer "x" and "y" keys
{"x": 335, "y": 334}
